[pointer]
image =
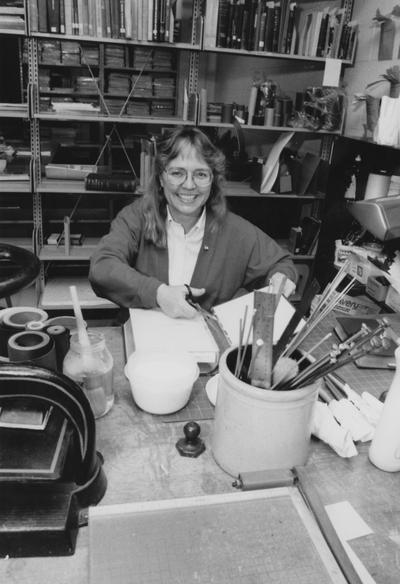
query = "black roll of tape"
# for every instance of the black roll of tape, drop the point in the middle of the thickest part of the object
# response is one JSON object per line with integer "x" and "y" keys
{"x": 61, "y": 336}
{"x": 36, "y": 347}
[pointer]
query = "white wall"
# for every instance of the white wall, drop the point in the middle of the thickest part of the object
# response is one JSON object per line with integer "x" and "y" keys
{"x": 367, "y": 68}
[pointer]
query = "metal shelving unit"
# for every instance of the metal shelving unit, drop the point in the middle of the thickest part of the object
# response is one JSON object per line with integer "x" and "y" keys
{"x": 187, "y": 70}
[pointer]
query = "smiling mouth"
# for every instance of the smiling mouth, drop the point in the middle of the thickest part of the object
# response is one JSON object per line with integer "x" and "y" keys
{"x": 186, "y": 198}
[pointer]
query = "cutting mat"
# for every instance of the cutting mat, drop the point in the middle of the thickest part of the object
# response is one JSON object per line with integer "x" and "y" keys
{"x": 198, "y": 407}
{"x": 241, "y": 538}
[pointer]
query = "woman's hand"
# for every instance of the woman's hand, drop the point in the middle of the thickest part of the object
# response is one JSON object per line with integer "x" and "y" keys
{"x": 172, "y": 300}
{"x": 288, "y": 287}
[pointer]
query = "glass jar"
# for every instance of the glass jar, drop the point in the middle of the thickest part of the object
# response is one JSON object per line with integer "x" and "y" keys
{"x": 92, "y": 370}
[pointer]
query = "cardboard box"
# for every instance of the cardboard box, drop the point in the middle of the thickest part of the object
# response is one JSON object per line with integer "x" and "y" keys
{"x": 393, "y": 299}
{"x": 357, "y": 305}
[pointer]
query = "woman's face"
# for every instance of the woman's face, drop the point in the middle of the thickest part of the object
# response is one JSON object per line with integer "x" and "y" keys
{"x": 187, "y": 181}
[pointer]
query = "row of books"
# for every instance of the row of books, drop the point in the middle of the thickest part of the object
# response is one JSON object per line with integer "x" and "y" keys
{"x": 139, "y": 20}
{"x": 280, "y": 26}
{"x": 76, "y": 53}
{"x": 12, "y": 16}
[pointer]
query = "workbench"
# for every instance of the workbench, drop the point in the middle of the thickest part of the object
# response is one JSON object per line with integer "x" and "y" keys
{"x": 142, "y": 464}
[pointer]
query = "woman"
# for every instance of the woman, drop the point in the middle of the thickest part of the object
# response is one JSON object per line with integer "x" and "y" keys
{"x": 180, "y": 234}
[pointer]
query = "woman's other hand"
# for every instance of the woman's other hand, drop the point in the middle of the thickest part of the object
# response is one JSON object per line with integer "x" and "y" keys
{"x": 288, "y": 286}
{"x": 172, "y": 300}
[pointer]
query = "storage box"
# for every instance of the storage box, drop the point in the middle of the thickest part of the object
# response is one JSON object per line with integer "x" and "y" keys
{"x": 69, "y": 171}
{"x": 360, "y": 267}
{"x": 393, "y": 299}
{"x": 357, "y": 305}
{"x": 377, "y": 287}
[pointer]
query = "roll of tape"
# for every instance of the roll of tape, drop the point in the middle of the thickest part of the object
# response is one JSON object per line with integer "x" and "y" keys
{"x": 17, "y": 317}
{"x": 13, "y": 319}
{"x": 34, "y": 346}
{"x": 60, "y": 336}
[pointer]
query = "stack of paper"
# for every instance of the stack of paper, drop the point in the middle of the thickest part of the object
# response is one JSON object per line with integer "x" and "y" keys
{"x": 154, "y": 330}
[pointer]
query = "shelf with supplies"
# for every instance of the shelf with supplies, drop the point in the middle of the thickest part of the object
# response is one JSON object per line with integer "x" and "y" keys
{"x": 14, "y": 110}
{"x": 126, "y": 119}
{"x": 73, "y": 187}
{"x": 59, "y": 252}
{"x": 264, "y": 127}
{"x": 56, "y": 295}
{"x": 10, "y": 185}
{"x": 272, "y": 55}
{"x": 24, "y": 242}
{"x": 178, "y": 46}
{"x": 243, "y": 189}
{"x": 96, "y": 81}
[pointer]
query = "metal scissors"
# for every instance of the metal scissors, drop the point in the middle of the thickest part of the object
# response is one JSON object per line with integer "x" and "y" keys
{"x": 190, "y": 299}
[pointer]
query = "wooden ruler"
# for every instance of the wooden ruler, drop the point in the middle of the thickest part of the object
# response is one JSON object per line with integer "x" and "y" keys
{"x": 263, "y": 331}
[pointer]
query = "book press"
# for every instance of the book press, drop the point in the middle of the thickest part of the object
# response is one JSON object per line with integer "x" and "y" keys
{"x": 269, "y": 379}
{"x": 50, "y": 471}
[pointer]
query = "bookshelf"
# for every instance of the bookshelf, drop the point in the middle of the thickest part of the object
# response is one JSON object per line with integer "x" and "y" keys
{"x": 95, "y": 68}
{"x": 231, "y": 64}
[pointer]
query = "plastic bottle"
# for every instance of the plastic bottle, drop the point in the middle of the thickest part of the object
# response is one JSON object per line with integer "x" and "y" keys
{"x": 94, "y": 372}
{"x": 384, "y": 451}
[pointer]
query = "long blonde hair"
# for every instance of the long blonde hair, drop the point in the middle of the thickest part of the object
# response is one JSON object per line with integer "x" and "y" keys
{"x": 168, "y": 148}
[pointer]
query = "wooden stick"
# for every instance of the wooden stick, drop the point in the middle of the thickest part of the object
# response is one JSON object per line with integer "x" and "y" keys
{"x": 246, "y": 345}
{"x": 242, "y": 328}
{"x": 312, "y": 498}
{"x": 308, "y": 354}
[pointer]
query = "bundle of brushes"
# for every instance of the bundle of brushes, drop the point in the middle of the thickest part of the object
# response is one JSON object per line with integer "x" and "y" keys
{"x": 284, "y": 367}
{"x": 360, "y": 344}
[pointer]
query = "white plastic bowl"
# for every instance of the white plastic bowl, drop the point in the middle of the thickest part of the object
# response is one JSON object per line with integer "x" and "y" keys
{"x": 161, "y": 382}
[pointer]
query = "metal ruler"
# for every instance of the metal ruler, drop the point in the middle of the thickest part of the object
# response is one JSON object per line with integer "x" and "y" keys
{"x": 263, "y": 330}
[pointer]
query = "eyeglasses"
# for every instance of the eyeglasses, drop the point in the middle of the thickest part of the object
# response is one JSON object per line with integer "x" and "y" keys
{"x": 202, "y": 177}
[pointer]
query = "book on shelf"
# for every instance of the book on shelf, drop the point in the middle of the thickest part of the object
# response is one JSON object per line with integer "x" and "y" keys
{"x": 276, "y": 25}
{"x": 53, "y": 16}
{"x": 221, "y": 23}
{"x": 12, "y": 9}
{"x": 291, "y": 31}
{"x": 260, "y": 41}
{"x": 11, "y": 22}
{"x": 151, "y": 329}
{"x": 125, "y": 182}
{"x": 59, "y": 239}
{"x": 22, "y": 413}
{"x": 269, "y": 26}
{"x": 244, "y": 25}
{"x": 283, "y": 24}
{"x": 320, "y": 50}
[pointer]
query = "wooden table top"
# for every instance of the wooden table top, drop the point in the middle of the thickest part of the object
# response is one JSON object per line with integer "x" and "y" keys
{"x": 142, "y": 464}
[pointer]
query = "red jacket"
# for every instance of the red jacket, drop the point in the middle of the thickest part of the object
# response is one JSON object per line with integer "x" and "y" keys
{"x": 235, "y": 257}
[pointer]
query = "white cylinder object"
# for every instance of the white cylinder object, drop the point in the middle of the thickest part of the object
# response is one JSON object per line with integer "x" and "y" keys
{"x": 377, "y": 186}
{"x": 384, "y": 451}
{"x": 259, "y": 429}
{"x": 252, "y": 104}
